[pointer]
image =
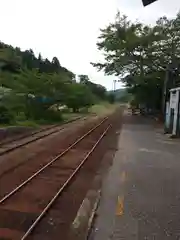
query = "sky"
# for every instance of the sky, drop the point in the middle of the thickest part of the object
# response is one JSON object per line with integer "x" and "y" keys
{"x": 69, "y": 29}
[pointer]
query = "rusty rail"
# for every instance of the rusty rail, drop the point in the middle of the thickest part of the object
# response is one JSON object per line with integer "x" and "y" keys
{"x": 31, "y": 135}
{"x": 60, "y": 191}
{"x": 48, "y": 164}
{"x": 66, "y": 182}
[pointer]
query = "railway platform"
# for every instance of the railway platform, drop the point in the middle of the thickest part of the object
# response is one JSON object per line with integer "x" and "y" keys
{"x": 140, "y": 193}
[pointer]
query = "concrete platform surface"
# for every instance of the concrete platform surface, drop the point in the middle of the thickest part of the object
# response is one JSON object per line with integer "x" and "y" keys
{"x": 141, "y": 192}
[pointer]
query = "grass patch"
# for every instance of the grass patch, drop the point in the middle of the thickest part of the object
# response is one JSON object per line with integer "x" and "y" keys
{"x": 27, "y": 123}
{"x": 103, "y": 108}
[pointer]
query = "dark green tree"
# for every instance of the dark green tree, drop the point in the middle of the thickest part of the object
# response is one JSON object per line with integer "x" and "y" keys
{"x": 98, "y": 90}
{"x": 140, "y": 54}
{"x": 79, "y": 97}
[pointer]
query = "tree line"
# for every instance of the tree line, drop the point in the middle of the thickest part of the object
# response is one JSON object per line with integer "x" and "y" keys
{"x": 142, "y": 56}
{"x": 33, "y": 88}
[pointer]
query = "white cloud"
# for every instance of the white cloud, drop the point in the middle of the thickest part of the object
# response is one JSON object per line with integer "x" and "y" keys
{"x": 69, "y": 29}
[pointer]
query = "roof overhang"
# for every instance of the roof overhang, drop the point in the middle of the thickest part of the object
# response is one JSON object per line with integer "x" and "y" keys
{"x": 147, "y": 2}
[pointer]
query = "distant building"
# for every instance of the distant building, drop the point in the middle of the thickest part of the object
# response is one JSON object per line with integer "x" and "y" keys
{"x": 171, "y": 99}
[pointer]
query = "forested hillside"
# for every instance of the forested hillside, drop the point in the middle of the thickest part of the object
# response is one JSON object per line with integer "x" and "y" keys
{"x": 18, "y": 59}
{"x": 33, "y": 88}
{"x": 120, "y": 95}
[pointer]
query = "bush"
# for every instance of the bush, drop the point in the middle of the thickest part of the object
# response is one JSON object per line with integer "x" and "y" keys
{"x": 6, "y": 116}
{"x": 111, "y": 98}
{"x": 48, "y": 116}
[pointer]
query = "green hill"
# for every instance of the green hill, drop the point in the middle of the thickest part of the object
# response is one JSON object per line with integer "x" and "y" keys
{"x": 120, "y": 94}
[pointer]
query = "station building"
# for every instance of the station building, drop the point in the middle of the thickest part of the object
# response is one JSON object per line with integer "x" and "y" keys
{"x": 172, "y": 115}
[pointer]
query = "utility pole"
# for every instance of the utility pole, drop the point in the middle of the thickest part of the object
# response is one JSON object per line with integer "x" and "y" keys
{"x": 169, "y": 77}
{"x": 114, "y": 84}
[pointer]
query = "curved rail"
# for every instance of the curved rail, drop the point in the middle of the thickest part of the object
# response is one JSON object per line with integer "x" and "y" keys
{"x": 31, "y": 135}
{"x": 61, "y": 190}
{"x": 48, "y": 164}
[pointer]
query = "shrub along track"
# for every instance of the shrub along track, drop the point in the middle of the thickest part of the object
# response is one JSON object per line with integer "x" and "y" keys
{"x": 11, "y": 144}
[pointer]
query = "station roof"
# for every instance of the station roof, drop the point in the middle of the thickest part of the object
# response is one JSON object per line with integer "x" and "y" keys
{"x": 147, "y": 2}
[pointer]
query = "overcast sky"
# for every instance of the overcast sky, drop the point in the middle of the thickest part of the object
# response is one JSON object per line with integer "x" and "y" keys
{"x": 69, "y": 29}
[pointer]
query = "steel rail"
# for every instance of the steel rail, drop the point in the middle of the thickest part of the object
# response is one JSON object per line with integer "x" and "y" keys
{"x": 65, "y": 185}
{"x": 48, "y": 164}
{"x": 33, "y": 140}
{"x": 2, "y": 143}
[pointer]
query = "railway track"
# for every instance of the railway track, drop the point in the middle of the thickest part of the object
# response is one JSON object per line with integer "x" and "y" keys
{"x": 23, "y": 208}
{"x": 23, "y": 140}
